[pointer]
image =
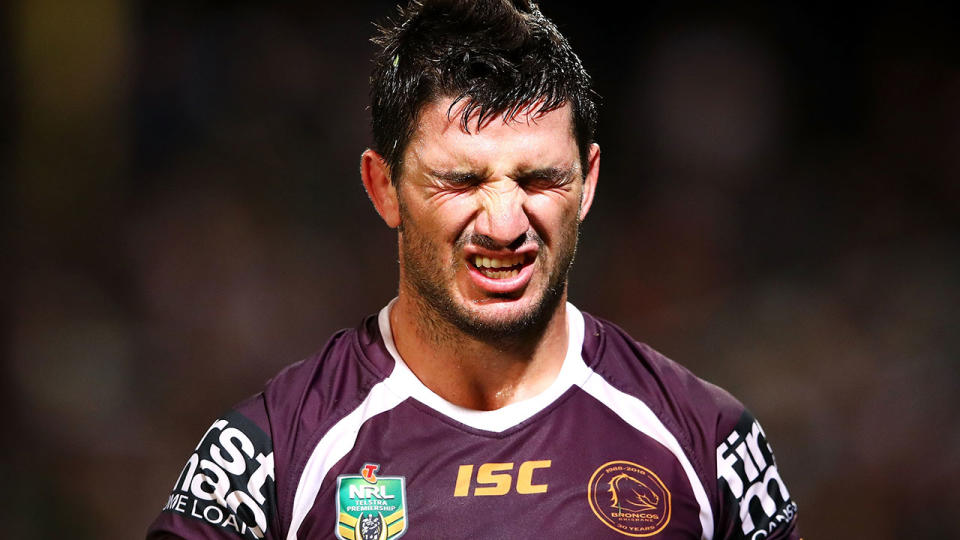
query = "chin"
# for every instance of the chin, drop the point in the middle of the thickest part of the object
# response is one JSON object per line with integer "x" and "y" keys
{"x": 455, "y": 304}
{"x": 504, "y": 309}
{"x": 497, "y": 319}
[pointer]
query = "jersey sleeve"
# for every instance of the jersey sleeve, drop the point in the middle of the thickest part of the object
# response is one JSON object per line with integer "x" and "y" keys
{"x": 227, "y": 487}
{"x": 754, "y": 501}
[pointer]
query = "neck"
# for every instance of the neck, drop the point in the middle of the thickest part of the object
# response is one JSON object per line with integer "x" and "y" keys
{"x": 475, "y": 373}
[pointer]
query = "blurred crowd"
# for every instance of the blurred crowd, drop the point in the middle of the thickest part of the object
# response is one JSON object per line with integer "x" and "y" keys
{"x": 778, "y": 209}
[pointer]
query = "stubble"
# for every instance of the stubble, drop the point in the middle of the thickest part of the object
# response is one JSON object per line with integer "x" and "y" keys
{"x": 443, "y": 321}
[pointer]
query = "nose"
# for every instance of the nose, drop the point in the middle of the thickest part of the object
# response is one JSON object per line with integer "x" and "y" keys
{"x": 502, "y": 216}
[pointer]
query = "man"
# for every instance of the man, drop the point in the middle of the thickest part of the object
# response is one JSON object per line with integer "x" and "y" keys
{"x": 479, "y": 403}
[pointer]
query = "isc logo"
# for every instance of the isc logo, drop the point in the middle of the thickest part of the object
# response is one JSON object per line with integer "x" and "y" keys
{"x": 497, "y": 478}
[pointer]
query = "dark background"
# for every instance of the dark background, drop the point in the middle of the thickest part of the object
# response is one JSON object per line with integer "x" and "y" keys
{"x": 183, "y": 216}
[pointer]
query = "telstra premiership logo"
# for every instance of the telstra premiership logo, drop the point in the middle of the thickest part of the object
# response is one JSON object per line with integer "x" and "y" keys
{"x": 371, "y": 507}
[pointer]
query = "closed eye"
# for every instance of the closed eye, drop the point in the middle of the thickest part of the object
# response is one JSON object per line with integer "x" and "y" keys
{"x": 547, "y": 178}
{"x": 458, "y": 180}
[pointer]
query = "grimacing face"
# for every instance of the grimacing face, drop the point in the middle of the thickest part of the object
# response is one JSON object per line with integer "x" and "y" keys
{"x": 489, "y": 219}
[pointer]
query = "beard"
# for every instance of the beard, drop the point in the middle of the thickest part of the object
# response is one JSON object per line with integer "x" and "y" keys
{"x": 433, "y": 280}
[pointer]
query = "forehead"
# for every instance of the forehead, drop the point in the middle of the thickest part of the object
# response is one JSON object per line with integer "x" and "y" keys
{"x": 530, "y": 138}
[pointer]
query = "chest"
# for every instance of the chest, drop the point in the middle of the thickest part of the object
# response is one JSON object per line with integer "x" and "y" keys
{"x": 576, "y": 471}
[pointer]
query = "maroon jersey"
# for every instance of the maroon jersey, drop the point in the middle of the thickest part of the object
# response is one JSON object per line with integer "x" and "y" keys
{"x": 350, "y": 444}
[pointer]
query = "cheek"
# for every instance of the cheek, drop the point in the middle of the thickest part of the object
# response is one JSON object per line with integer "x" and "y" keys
{"x": 449, "y": 220}
{"x": 552, "y": 213}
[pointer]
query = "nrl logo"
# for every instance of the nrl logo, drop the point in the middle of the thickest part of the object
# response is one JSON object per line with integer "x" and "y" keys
{"x": 371, "y": 507}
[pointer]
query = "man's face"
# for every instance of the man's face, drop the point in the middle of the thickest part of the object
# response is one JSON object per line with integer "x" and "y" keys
{"x": 489, "y": 219}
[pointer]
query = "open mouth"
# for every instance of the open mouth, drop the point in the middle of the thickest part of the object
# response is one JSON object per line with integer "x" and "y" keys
{"x": 503, "y": 267}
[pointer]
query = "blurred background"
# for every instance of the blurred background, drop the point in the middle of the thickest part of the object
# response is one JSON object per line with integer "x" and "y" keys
{"x": 182, "y": 215}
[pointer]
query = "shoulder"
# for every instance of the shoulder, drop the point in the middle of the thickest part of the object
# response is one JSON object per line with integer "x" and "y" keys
{"x": 310, "y": 394}
{"x": 242, "y": 475}
{"x": 719, "y": 435}
{"x": 307, "y": 398}
{"x": 671, "y": 390}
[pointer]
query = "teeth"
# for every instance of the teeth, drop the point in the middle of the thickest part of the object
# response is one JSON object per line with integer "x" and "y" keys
{"x": 498, "y": 274}
{"x": 506, "y": 262}
{"x": 498, "y": 268}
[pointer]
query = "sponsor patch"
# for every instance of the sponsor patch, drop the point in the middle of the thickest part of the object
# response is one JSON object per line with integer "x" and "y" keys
{"x": 750, "y": 482}
{"x": 629, "y": 498}
{"x": 228, "y": 482}
{"x": 370, "y": 506}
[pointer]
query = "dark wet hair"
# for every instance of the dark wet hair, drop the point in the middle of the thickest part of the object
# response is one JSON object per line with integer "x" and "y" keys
{"x": 499, "y": 56}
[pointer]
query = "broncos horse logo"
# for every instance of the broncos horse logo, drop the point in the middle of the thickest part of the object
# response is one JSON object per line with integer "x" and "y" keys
{"x": 630, "y": 494}
{"x": 371, "y": 527}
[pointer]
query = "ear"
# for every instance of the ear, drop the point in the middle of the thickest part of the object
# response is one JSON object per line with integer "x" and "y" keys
{"x": 590, "y": 180}
{"x": 382, "y": 192}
